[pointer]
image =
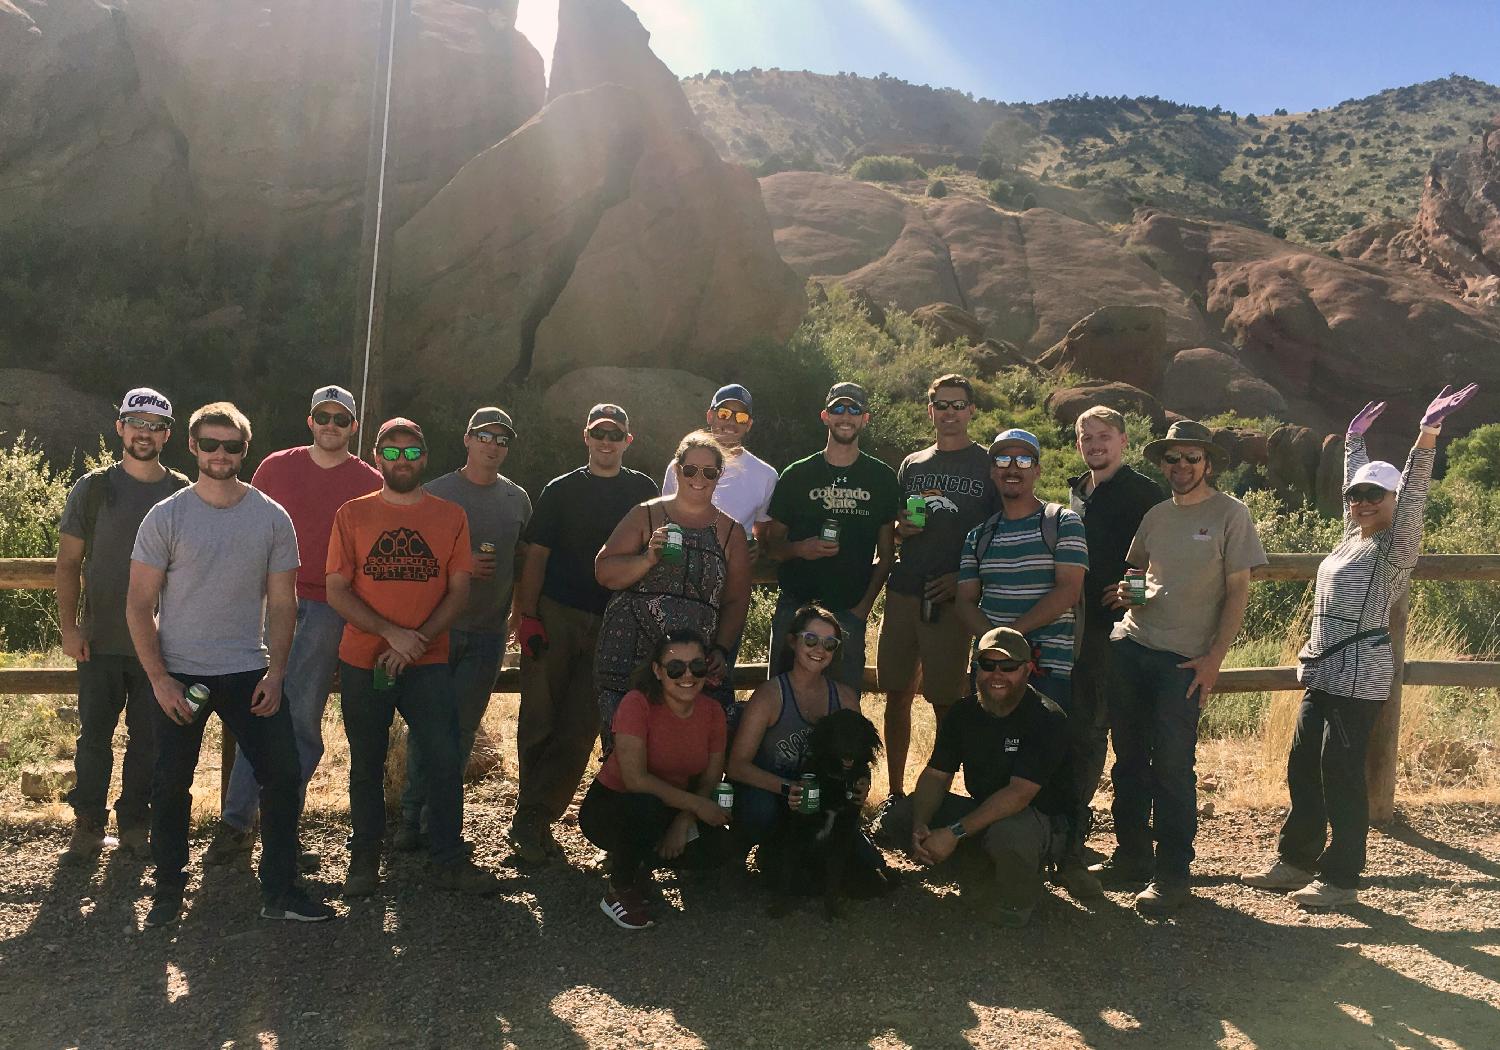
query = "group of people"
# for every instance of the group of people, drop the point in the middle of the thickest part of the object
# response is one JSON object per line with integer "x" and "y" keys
{"x": 1108, "y": 617}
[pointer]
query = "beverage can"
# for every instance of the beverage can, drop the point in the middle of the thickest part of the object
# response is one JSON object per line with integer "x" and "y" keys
{"x": 196, "y": 696}
{"x": 829, "y": 533}
{"x": 1135, "y": 584}
{"x": 383, "y": 679}
{"x": 671, "y": 549}
{"x": 916, "y": 511}
{"x": 812, "y": 795}
{"x": 486, "y": 548}
{"x": 724, "y": 795}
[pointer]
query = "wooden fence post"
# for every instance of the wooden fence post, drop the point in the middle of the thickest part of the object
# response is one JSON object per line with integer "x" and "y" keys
{"x": 1385, "y": 736}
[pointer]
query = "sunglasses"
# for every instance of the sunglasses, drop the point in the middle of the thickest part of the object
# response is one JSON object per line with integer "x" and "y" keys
{"x": 391, "y": 453}
{"x": 234, "y": 446}
{"x": 675, "y": 669}
{"x": 338, "y": 419}
{"x": 845, "y": 410}
{"x": 1008, "y": 666}
{"x": 1365, "y": 494}
{"x": 726, "y": 414}
{"x": 811, "y": 640}
{"x": 489, "y": 437}
{"x": 958, "y": 404}
{"x": 137, "y": 423}
{"x": 1023, "y": 461}
{"x": 691, "y": 470}
{"x": 600, "y": 434}
{"x": 1174, "y": 458}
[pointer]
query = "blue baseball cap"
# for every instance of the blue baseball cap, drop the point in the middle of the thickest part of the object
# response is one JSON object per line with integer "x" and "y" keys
{"x": 1016, "y": 436}
{"x": 733, "y": 392}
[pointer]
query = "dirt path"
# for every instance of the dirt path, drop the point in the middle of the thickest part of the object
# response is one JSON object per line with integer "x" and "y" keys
{"x": 1417, "y": 964}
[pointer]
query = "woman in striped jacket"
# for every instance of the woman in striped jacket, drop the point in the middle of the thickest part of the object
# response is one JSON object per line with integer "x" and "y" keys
{"x": 1347, "y": 665}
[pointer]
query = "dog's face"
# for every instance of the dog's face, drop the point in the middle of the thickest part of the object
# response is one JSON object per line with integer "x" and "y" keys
{"x": 843, "y": 746}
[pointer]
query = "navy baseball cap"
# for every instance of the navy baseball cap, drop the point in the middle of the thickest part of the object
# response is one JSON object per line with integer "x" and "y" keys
{"x": 733, "y": 392}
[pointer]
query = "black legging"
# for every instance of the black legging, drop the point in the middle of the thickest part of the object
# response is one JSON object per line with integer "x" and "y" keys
{"x": 628, "y": 825}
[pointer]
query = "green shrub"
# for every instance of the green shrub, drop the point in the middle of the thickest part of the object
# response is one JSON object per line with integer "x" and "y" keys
{"x": 988, "y": 168}
{"x": 1476, "y": 458}
{"x": 31, "y": 501}
{"x": 1000, "y": 191}
{"x": 883, "y": 168}
{"x": 937, "y": 188}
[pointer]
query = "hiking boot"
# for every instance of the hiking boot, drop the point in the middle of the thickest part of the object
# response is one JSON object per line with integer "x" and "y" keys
{"x": 627, "y": 909}
{"x": 1161, "y": 899}
{"x": 550, "y": 844}
{"x": 527, "y": 844}
{"x": 308, "y": 862}
{"x": 464, "y": 876}
{"x": 229, "y": 845}
{"x": 363, "y": 879}
{"x": 296, "y": 906}
{"x": 1279, "y": 876}
{"x": 135, "y": 845}
{"x": 166, "y": 909}
{"x": 408, "y": 839}
{"x": 1081, "y": 883}
{"x": 1320, "y": 895}
{"x": 84, "y": 846}
{"x": 1118, "y": 873}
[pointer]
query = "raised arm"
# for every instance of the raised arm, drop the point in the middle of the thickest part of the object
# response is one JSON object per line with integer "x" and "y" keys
{"x": 1355, "y": 454}
{"x": 1416, "y": 479}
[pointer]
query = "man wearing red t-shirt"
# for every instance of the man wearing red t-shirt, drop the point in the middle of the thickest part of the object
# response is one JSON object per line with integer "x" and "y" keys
{"x": 399, "y": 563}
{"x": 311, "y": 483}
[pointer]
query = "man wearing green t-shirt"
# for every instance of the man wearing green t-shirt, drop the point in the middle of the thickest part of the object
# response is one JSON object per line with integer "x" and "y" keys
{"x": 843, "y": 493}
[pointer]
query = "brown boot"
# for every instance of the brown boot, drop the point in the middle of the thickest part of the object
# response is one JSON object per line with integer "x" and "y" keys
{"x": 135, "y": 845}
{"x": 84, "y": 846}
{"x": 363, "y": 879}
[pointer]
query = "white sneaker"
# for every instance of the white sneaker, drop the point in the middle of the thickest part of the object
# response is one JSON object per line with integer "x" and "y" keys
{"x": 1279, "y": 876}
{"x": 1319, "y": 894}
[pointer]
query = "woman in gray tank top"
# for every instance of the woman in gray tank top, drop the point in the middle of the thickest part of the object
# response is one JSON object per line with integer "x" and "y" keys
{"x": 769, "y": 746}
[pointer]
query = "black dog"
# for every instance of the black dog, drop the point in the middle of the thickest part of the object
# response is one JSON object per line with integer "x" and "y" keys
{"x": 827, "y": 850}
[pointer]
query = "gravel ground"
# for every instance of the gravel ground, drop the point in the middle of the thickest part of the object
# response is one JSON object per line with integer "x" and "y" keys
{"x": 1417, "y": 963}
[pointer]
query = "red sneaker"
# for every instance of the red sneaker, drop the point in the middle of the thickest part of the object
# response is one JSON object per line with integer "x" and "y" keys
{"x": 627, "y": 909}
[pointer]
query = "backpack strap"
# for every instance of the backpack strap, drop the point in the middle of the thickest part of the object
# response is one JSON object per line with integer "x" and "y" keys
{"x": 1051, "y": 516}
{"x": 99, "y": 492}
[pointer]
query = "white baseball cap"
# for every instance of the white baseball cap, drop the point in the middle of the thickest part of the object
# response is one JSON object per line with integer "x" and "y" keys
{"x": 1379, "y": 473}
{"x": 144, "y": 399}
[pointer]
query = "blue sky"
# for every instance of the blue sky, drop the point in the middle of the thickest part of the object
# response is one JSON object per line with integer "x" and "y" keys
{"x": 1249, "y": 57}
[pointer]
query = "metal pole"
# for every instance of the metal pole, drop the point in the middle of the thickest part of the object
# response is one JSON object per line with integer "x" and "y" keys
{"x": 374, "y": 248}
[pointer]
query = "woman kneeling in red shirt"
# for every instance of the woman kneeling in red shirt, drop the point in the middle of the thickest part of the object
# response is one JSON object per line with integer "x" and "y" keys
{"x": 653, "y": 801}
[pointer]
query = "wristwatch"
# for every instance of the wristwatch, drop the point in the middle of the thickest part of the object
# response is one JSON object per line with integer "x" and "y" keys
{"x": 957, "y": 829}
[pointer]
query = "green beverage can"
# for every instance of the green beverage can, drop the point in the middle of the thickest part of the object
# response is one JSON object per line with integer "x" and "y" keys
{"x": 916, "y": 511}
{"x": 812, "y": 795}
{"x": 196, "y": 696}
{"x": 1135, "y": 585}
{"x": 486, "y": 548}
{"x": 829, "y": 533}
{"x": 724, "y": 795}
{"x": 383, "y": 679}
{"x": 671, "y": 549}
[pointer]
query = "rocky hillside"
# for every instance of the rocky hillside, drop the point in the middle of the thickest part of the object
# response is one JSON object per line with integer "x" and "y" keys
{"x": 1311, "y": 177}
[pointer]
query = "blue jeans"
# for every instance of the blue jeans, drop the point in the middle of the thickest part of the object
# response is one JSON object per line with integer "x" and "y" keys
{"x": 473, "y": 660}
{"x": 271, "y": 755}
{"x": 424, "y": 696}
{"x": 309, "y": 675}
{"x": 1155, "y": 727}
{"x": 851, "y": 667}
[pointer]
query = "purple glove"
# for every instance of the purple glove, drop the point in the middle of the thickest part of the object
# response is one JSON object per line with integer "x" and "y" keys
{"x": 1367, "y": 415}
{"x": 1445, "y": 404}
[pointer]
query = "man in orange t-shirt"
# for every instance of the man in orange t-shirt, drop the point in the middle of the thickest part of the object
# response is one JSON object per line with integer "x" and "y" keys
{"x": 398, "y": 573}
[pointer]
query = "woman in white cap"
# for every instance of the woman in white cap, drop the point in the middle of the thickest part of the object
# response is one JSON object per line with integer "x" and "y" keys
{"x": 1347, "y": 665}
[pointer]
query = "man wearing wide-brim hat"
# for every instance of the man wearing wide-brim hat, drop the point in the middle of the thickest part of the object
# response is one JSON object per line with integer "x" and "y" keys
{"x": 1197, "y": 550}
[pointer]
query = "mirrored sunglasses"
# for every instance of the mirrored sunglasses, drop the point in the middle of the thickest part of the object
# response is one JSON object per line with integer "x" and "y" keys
{"x": 489, "y": 437}
{"x": 338, "y": 419}
{"x": 843, "y": 409}
{"x": 234, "y": 446}
{"x": 137, "y": 423}
{"x": 1174, "y": 458}
{"x": 391, "y": 453}
{"x": 1023, "y": 461}
{"x": 811, "y": 640}
{"x": 696, "y": 668}
{"x": 692, "y": 470}
{"x": 1008, "y": 666}
{"x": 739, "y": 416}
{"x": 958, "y": 404}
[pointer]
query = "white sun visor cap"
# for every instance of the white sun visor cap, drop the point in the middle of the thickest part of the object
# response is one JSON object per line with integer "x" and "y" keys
{"x": 1377, "y": 473}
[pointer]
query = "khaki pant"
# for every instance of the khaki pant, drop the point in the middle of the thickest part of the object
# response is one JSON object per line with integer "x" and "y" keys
{"x": 559, "y": 719}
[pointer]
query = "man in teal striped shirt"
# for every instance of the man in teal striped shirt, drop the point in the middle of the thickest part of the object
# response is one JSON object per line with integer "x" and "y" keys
{"x": 1029, "y": 576}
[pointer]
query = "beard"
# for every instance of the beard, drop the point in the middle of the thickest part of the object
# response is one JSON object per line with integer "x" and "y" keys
{"x": 402, "y": 483}
{"x": 218, "y": 473}
{"x": 841, "y": 439}
{"x": 150, "y": 453}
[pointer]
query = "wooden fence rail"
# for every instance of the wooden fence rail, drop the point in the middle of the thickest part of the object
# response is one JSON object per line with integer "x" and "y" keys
{"x": 37, "y": 574}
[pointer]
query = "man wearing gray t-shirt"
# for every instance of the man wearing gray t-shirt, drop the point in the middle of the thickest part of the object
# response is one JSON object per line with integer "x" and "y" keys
{"x": 219, "y": 561}
{"x": 498, "y": 509}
